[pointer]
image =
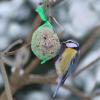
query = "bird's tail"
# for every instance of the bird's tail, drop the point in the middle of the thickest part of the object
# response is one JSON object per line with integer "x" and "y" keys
{"x": 60, "y": 83}
{"x": 57, "y": 88}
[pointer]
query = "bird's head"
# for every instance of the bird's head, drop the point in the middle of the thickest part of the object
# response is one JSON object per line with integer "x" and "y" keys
{"x": 72, "y": 44}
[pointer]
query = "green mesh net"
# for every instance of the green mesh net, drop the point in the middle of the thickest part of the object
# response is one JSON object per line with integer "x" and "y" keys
{"x": 40, "y": 11}
{"x": 46, "y": 24}
{"x": 45, "y": 43}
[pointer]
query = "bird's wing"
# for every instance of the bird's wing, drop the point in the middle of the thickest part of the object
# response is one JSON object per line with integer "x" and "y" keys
{"x": 74, "y": 63}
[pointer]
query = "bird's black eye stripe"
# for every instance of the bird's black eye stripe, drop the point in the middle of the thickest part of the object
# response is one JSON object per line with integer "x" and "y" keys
{"x": 69, "y": 42}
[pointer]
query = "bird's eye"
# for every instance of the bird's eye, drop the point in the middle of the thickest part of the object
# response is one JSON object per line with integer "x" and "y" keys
{"x": 70, "y": 42}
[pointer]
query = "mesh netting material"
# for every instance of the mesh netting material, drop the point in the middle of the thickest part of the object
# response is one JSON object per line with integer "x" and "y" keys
{"x": 40, "y": 11}
{"x": 45, "y": 43}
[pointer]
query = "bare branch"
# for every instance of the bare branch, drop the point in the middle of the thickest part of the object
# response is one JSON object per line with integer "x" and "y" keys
{"x": 6, "y": 82}
{"x": 50, "y": 79}
{"x": 86, "y": 67}
{"x": 32, "y": 66}
{"x": 90, "y": 41}
{"x": 13, "y": 44}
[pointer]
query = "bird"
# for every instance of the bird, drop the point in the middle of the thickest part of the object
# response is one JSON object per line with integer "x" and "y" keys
{"x": 66, "y": 62}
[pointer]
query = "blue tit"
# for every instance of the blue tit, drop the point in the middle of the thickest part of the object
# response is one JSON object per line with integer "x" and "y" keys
{"x": 67, "y": 61}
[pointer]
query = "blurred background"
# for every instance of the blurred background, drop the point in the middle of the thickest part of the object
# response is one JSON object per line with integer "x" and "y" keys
{"x": 80, "y": 20}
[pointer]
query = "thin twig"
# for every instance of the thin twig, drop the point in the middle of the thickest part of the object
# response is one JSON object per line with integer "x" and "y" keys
{"x": 45, "y": 3}
{"x": 86, "y": 67}
{"x": 49, "y": 11}
{"x": 90, "y": 41}
{"x": 13, "y": 44}
{"x": 7, "y": 53}
{"x": 8, "y": 61}
{"x": 59, "y": 25}
{"x": 56, "y": 2}
{"x": 10, "y": 53}
{"x": 6, "y": 82}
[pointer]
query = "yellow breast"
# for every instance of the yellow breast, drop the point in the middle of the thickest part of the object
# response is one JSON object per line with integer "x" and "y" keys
{"x": 66, "y": 58}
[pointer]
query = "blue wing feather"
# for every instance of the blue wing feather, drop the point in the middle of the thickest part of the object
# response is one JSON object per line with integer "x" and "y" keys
{"x": 73, "y": 64}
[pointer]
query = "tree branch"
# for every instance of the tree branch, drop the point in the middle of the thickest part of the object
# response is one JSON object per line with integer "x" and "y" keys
{"x": 90, "y": 41}
{"x": 6, "y": 82}
{"x": 86, "y": 67}
{"x": 32, "y": 66}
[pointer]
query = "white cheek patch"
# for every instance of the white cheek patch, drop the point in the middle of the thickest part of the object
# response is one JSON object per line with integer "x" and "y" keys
{"x": 71, "y": 45}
